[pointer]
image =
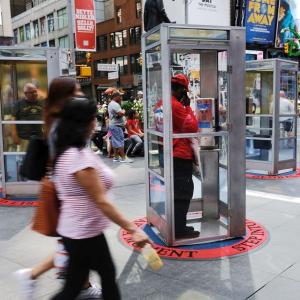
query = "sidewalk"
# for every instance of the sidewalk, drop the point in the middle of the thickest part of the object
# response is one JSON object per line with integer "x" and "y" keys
{"x": 272, "y": 272}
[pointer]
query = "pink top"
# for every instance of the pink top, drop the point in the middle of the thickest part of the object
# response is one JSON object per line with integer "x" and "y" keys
{"x": 79, "y": 216}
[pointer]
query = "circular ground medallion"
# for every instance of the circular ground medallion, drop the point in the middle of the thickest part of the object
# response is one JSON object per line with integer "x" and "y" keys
{"x": 18, "y": 202}
{"x": 287, "y": 175}
{"x": 256, "y": 236}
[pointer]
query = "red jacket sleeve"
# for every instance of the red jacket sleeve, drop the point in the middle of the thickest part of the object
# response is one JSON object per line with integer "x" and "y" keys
{"x": 184, "y": 120}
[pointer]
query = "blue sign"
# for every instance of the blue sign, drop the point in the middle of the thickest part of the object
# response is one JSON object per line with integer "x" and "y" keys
{"x": 260, "y": 21}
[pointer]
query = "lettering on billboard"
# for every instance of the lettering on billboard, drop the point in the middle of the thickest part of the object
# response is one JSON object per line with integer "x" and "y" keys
{"x": 288, "y": 27}
{"x": 260, "y": 21}
{"x": 85, "y": 25}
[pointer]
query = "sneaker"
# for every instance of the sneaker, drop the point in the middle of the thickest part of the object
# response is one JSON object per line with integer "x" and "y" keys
{"x": 187, "y": 234}
{"x": 99, "y": 152}
{"x": 126, "y": 160}
{"x": 116, "y": 159}
{"x": 93, "y": 292}
{"x": 27, "y": 285}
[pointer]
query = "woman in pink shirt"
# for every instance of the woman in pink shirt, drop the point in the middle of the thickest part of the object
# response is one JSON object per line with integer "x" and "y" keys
{"x": 82, "y": 180}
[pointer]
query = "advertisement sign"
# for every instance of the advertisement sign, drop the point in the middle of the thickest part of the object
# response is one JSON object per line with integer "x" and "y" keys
{"x": 85, "y": 25}
{"x": 288, "y": 26}
{"x": 205, "y": 111}
{"x": 260, "y": 21}
{"x": 209, "y": 12}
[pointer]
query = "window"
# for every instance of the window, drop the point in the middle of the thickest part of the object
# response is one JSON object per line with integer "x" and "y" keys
{"x": 52, "y": 43}
{"x": 138, "y": 8}
{"x": 27, "y": 32}
{"x": 16, "y": 36}
{"x": 43, "y": 25}
{"x": 119, "y": 15}
{"x": 44, "y": 44}
{"x": 62, "y": 18}
{"x": 122, "y": 62}
{"x": 101, "y": 43}
{"x": 118, "y": 39}
{"x": 63, "y": 42}
{"x": 35, "y": 28}
{"x": 135, "y": 35}
{"x": 50, "y": 23}
{"x": 21, "y": 34}
{"x": 100, "y": 74}
{"x": 135, "y": 63}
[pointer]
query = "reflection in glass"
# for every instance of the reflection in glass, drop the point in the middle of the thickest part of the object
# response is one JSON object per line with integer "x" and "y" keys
{"x": 288, "y": 87}
{"x": 259, "y": 126}
{"x": 7, "y": 93}
{"x": 259, "y": 92}
{"x": 154, "y": 90}
{"x": 286, "y": 149}
{"x": 16, "y": 136}
{"x": 157, "y": 195}
{"x": 259, "y": 149}
{"x": 156, "y": 154}
{"x": 223, "y": 88}
{"x": 12, "y": 168}
{"x": 287, "y": 127}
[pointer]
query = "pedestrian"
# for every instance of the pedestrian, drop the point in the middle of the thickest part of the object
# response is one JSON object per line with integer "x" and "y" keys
{"x": 135, "y": 133}
{"x": 60, "y": 90}
{"x": 82, "y": 181}
{"x": 117, "y": 127}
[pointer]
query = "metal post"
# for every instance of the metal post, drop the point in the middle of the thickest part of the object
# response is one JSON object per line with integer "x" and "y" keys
{"x": 70, "y": 24}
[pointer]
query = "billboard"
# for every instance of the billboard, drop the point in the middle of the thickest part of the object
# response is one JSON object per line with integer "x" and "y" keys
{"x": 260, "y": 21}
{"x": 85, "y": 25}
{"x": 288, "y": 21}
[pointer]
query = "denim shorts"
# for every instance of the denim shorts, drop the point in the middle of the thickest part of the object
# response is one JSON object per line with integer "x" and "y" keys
{"x": 117, "y": 136}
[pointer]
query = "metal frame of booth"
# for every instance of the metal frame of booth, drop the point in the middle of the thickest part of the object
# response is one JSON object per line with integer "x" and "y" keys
{"x": 269, "y": 147}
{"x": 13, "y": 57}
{"x": 218, "y": 219}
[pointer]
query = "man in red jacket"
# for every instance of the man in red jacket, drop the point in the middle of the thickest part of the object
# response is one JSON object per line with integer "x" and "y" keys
{"x": 184, "y": 121}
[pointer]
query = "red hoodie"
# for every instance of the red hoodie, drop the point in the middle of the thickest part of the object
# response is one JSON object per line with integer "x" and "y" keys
{"x": 184, "y": 121}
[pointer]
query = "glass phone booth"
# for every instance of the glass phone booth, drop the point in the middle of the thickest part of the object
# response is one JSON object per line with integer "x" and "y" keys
{"x": 19, "y": 67}
{"x": 212, "y": 58}
{"x": 271, "y": 116}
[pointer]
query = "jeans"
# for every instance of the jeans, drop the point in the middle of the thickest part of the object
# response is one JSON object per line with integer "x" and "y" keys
{"x": 85, "y": 255}
{"x": 135, "y": 142}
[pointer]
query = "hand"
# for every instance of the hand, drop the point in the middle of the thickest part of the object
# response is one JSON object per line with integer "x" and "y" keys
{"x": 186, "y": 101}
{"x": 140, "y": 238}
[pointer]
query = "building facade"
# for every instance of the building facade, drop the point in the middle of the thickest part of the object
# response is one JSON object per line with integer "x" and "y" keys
{"x": 119, "y": 42}
{"x": 5, "y": 24}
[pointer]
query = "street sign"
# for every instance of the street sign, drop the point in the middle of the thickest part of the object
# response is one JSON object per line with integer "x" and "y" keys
{"x": 113, "y": 75}
{"x": 107, "y": 67}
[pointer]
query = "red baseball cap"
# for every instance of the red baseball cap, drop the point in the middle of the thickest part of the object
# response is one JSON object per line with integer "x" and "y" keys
{"x": 181, "y": 79}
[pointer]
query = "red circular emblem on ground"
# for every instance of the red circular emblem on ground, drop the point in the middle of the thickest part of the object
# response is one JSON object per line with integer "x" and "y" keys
{"x": 294, "y": 174}
{"x": 256, "y": 236}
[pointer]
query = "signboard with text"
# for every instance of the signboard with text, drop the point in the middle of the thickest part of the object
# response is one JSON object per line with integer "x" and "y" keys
{"x": 85, "y": 25}
{"x": 113, "y": 75}
{"x": 260, "y": 21}
{"x": 107, "y": 67}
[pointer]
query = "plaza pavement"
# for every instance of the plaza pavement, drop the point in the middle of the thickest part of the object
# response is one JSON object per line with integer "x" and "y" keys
{"x": 271, "y": 272}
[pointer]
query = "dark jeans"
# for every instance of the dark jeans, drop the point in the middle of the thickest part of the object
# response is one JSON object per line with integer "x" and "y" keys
{"x": 98, "y": 139}
{"x": 183, "y": 191}
{"x": 85, "y": 255}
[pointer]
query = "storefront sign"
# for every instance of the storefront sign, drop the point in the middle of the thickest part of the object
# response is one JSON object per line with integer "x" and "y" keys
{"x": 113, "y": 75}
{"x": 288, "y": 22}
{"x": 260, "y": 21}
{"x": 85, "y": 25}
{"x": 107, "y": 67}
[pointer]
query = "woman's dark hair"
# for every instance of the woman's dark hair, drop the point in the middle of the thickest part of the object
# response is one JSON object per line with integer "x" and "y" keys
{"x": 73, "y": 127}
{"x": 131, "y": 114}
{"x": 285, "y": 6}
{"x": 60, "y": 90}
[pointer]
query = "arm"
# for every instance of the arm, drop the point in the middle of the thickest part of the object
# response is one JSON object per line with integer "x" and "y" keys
{"x": 130, "y": 128}
{"x": 89, "y": 180}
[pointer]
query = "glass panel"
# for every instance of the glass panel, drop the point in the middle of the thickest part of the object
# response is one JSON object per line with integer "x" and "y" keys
{"x": 259, "y": 126}
{"x": 259, "y": 92}
{"x": 157, "y": 195}
{"x": 266, "y": 65}
{"x": 259, "y": 149}
{"x": 222, "y": 143}
{"x": 28, "y": 54}
{"x": 153, "y": 38}
{"x": 288, "y": 92}
{"x": 12, "y": 168}
{"x": 287, "y": 127}
{"x": 203, "y": 34}
{"x": 154, "y": 89}
{"x": 223, "y": 88}
{"x": 35, "y": 73}
{"x": 16, "y": 137}
{"x": 7, "y": 94}
{"x": 156, "y": 154}
{"x": 286, "y": 149}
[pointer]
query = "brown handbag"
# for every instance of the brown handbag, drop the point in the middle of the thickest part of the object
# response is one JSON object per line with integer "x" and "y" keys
{"x": 45, "y": 218}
